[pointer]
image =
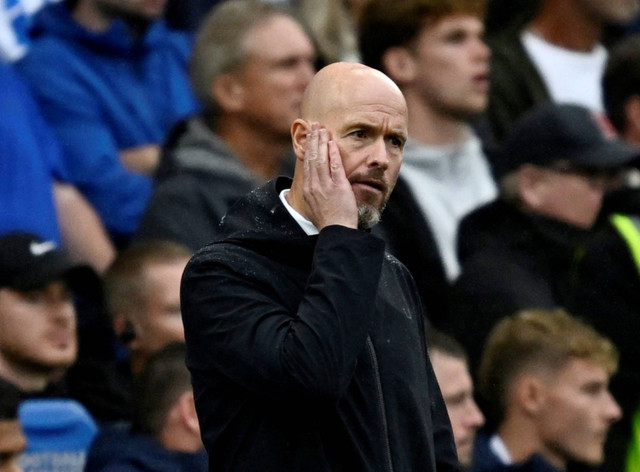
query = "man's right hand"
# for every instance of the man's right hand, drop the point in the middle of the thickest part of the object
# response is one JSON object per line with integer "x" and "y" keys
{"x": 327, "y": 191}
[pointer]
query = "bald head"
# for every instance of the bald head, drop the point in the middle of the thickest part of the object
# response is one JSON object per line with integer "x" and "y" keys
{"x": 339, "y": 84}
{"x": 363, "y": 116}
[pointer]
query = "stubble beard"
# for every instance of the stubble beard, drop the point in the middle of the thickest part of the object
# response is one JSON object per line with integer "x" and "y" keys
{"x": 369, "y": 215}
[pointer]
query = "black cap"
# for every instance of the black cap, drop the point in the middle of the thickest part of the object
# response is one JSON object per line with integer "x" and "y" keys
{"x": 28, "y": 262}
{"x": 564, "y": 132}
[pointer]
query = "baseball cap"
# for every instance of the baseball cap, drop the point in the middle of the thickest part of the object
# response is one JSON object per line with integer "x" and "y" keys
{"x": 555, "y": 132}
{"x": 28, "y": 262}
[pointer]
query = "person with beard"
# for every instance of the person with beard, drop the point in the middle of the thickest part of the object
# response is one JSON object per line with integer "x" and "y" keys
{"x": 305, "y": 339}
{"x": 111, "y": 80}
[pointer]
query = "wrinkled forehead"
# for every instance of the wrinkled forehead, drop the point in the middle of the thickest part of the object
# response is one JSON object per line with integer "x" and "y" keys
{"x": 352, "y": 93}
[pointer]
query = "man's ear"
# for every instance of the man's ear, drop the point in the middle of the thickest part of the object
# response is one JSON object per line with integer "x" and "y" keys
{"x": 119, "y": 323}
{"x": 299, "y": 131}
{"x": 228, "y": 92}
{"x": 531, "y": 185}
{"x": 187, "y": 410}
{"x": 530, "y": 394}
{"x": 399, "y": 64}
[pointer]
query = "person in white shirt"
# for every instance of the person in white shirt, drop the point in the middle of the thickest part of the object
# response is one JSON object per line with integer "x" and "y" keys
{"x": 436, "y": 53}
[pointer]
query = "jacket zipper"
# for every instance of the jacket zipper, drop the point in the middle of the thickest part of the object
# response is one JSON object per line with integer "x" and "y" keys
{"x": 380, "y": 398}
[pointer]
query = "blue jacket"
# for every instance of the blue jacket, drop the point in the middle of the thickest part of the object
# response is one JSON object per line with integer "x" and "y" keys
{"x": 105, "y": 92}
{"x": 30, "y": 161}
{"x": 118, "y": 449}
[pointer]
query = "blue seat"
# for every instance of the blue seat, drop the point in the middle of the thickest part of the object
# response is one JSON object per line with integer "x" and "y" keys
{"x": 59, "y": 433}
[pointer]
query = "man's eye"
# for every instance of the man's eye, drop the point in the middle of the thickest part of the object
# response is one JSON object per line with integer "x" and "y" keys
{"x": 397, "y": 142}
{"x": 359, "y": 134}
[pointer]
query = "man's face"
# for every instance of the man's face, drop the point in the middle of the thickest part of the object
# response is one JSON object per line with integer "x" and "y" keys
{"x": 369, "y": 125}
{"x": 570, "y": 196}
{"x": 611, "y": 11}
{"x": 12, "y": 443}
{"x": 38, "y": 329}
{"x": 279, "y": 67}
{"x": 451, "y": 64}
{"x": 158, "y": 321}
{"x": 576, "y": 413}
{"x": 457, "y": 389}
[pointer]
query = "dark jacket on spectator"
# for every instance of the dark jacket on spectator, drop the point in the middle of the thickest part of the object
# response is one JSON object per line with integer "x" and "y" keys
{"x": 511, "y": 260}
{"x": 516, "y": 84}
{"x": 199, "y": 178}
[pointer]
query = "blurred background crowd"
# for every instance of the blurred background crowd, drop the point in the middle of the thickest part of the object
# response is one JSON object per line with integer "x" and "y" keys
{"x": 129, "y": 127}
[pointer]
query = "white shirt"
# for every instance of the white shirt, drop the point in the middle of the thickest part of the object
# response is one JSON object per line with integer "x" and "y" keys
{"x": 307, "y": 226}
{"x": 570, "y": 76}
{"x": 448, "y": 182}
{"x": 499, "y": 448}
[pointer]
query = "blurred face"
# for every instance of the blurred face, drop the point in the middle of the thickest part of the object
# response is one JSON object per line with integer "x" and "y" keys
{"x": 577, "y": 411}
{"x": 12, "y": 443}
{"x": 457, "y": 389}
{"x": 159, "y": 320}
{"x": 571, "y": 196}
{"x": 369, "y": 125}
{"x": 612, "y": 11}
{"x": 37, "y": 330}
{"x": 132, "y": 10}
{"x": 279, "y": 67}
{"x": 451, "y": 63}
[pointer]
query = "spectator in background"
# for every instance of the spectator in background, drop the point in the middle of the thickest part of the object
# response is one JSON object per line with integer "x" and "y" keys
{"x": 555, "y": 57}
{"x": 517, "y": 252}
{"x": 545, "y": 376}
{"x": 333, "y": 28}
{"x": 435, "y": 52}
{"x": 165, "y": 435}
{"x": 111, "y": 80}
{"x": 606, "y": 291}
{"x": 451, "y": 367}
{"x": 38, "y": 340}
{"x": 250, "y": 66}
{"x": 12, "y": 438}
{"x": 34, "y": 196}
{"x": 142, "y": 292}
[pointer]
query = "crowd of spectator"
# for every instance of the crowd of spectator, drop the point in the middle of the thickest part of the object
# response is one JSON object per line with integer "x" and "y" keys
{"x": 129, "y": 128}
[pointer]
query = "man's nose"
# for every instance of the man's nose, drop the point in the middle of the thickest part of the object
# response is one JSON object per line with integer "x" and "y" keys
{"x": 379, "y": 154}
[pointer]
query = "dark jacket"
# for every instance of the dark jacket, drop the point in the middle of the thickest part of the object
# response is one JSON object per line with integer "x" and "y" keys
{"x": 516, "y": 83}
{"x": 410, "y": 239}
{"x": 198, "y": 179}
{"x": 307, "y": 352}
{"x": 118, "y": 448}
{"x": 511, "y": 260}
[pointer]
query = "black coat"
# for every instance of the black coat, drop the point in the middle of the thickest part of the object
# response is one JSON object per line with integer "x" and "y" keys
{"x": 510, "y": 260}
{"x": 307, "y": 352}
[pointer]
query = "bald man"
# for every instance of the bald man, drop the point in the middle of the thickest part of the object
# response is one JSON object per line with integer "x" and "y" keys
{"x": 305, "y": 339}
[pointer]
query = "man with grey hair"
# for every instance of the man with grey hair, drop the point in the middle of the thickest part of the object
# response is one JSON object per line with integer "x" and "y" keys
{"x": 251, "y": 63}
